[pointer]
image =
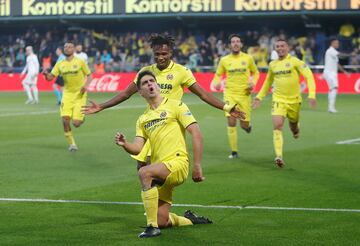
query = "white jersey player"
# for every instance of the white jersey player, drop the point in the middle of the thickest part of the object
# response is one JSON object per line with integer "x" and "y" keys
{"x": 30, "y": 81}
{"x": 80, "y": 54}
{"x": 331, "y": 73}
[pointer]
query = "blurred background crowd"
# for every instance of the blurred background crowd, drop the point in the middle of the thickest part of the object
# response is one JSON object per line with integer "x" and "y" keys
{"x": 111, "y": 50}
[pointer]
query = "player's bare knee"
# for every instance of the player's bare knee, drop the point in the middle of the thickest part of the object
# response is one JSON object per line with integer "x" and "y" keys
{"x": 144, "y": 173}
{"x": 77, "y": 123}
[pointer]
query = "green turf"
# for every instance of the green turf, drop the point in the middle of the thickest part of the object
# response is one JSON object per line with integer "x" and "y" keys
{"x": 35, "y": 163}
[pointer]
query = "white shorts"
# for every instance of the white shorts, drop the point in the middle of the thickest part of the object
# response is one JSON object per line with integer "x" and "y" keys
{"x": 30, "y": 79}
{"x": 331, "y": 79}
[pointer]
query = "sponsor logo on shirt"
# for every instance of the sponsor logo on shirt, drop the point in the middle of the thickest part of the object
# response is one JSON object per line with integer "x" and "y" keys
{"x": 163, "y": 114}
{"x": 170, "y": 77}
{"x": 282, "y": 72}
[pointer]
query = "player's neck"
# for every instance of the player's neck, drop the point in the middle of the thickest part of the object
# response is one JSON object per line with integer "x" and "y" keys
{"x": 69, "y": 58}
{"x": 164, "y": 67}
{"x": 155, "y": 102}
{"x": 236, "y": 53}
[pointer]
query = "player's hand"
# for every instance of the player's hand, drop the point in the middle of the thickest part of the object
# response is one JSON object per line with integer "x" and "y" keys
{"x": 83, "y": 89}
{"x": 235, "y": 112}
{"x": 217, "y": 86}
{"x": 91, "y": 109}
{"x": 347, "y": 74}
{"x": 312, "y": 103}
{"x": 250, "y": 88}
{"x": 256, "y": 103}
{"x": 120, "y": 139}
{"x": 197, "y": 175}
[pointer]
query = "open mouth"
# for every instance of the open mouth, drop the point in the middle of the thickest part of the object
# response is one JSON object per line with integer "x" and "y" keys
{"x": 151, "y": 89}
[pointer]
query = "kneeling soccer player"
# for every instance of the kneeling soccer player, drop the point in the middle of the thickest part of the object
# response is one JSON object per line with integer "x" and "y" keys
{"x": 163, "y": 124}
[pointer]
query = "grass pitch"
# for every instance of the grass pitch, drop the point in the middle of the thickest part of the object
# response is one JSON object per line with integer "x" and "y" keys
{"x": 35, "y": 163}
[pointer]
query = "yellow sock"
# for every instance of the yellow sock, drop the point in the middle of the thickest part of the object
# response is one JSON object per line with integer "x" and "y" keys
{"x": 278, "y": 142}
{"x": 177, "y": 220}
{"x": 69, "y": 137}
{"x": 150, "y": 199}
{"x": 232, "y": 135}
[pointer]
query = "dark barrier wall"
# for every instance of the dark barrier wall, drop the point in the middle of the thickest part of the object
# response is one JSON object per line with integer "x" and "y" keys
{"x": 128, "y": 8}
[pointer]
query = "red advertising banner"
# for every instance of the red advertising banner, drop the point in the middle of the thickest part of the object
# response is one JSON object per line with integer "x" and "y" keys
{"x": 111, "y": 82}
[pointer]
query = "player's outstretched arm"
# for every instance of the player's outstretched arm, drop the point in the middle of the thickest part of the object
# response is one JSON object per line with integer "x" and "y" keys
{"x": 94, "y": 107}
{"x": 132, "y": 148}
{"x": 213, "y": 101}
{"x": 197, "y": 143}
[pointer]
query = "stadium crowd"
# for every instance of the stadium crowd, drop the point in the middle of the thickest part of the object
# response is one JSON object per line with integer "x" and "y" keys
{"x": 110, "y": 51}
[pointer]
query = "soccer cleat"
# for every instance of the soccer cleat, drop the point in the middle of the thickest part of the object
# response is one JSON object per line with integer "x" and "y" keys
{"x": 73, "y": 148}
{"x": 248, "y": 130}
{"x": 296, "y": 134}
{"x": 279, "y": 162}
{"x": 233, "y": 155}
{"x": 195, "y": 219}
{"x": 150, "y": 231}
{"x": 333, "y": 111}
{"x": 29, "y": 101}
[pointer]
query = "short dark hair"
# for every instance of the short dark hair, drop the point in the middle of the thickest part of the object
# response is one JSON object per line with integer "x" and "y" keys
{"x": 160, "y": 39}
{"x": 233, "y": 35}
{"x": 282, "y": 40}
{"x": 141, "y": 75}
{"x": 332, "y": 39}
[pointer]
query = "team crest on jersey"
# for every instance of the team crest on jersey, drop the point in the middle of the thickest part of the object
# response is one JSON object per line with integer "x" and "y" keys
{"x": 163, "y": 115}
{"x": 243, "y": 63}
{"x": 75, "y": 66}
{"x": 169, "y": 77}
{"x": 287, "y": 65}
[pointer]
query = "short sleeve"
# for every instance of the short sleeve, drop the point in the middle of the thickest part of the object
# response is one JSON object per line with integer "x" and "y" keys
{"x": 56, "y": 71}
{"x": 188, "y": 79}
{"x": 184, "y": 115}
{"x": 140, "y": 130}
{"x": 85, "y": 68}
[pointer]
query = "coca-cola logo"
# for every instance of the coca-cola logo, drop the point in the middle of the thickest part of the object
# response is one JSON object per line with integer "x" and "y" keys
{"x": 107, "y": 82}
{"x": 357, "y": 86}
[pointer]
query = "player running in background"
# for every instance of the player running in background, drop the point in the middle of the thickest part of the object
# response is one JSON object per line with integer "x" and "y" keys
{"x": 74, "y": 72}
{"x": 237, "y": 67}
{"x": 172, "y": 78}
{"x": 82, "y": 55}
{"x": 163, "y": 124}
{"x": 31, "y": 69}
{"x": 330, "y": 73}
{"x": 286, "y": 97}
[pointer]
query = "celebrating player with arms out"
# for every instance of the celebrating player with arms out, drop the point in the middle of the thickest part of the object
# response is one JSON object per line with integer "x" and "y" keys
{"x": 163, "y": 124}
{"x": 74, "y": 72}
{"x": 172, "y": 79}
{"x": 238, "y": 67}
{"x": 286, "y": 99}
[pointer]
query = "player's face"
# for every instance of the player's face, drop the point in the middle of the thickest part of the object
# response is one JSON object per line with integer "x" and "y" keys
{"x": 149, "y": 87}
{"x": 162, "y": 56}
{"x": 235, "y": 45}
{"x": 69, "y": 49}
{"x": 27, "y": 51}
{"x": 282, "y": 48}
{"x": 78, "y": 48}
{"x": 335, "y": 44}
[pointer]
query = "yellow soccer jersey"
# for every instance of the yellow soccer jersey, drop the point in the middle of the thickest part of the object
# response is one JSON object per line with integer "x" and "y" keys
{"x": 237, "y": 69}
{"x": 285, "y": 74}
{"x": 73, "y": 73}
{"x": 165, "y": 128}
{"x": 172, "y": 79}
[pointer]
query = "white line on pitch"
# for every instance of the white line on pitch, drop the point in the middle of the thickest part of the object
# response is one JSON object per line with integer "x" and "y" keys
{"x": 181, "y": 205}
{"x": 57, "y": 111}
{"x": 349, "y": 141}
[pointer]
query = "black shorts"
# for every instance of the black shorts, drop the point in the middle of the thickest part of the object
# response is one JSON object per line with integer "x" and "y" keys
{"x": 59, "y": 81}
